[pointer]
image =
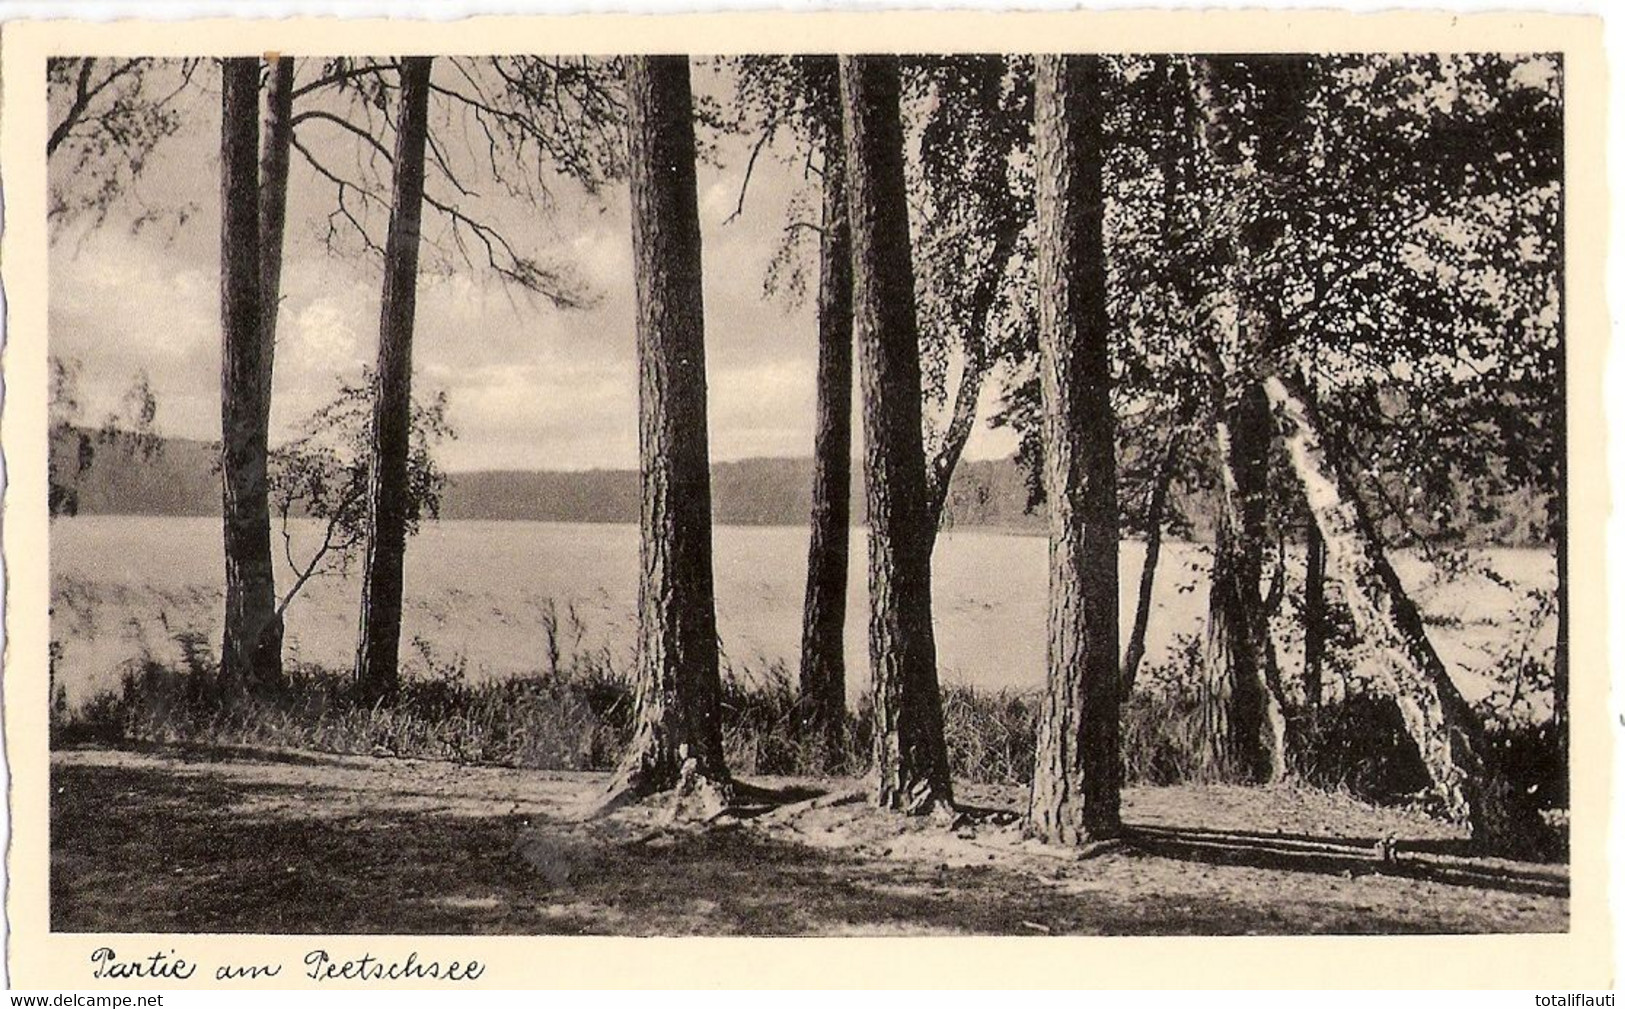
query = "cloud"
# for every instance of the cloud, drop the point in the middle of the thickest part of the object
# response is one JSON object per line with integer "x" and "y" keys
{"x": 530, "y": 385}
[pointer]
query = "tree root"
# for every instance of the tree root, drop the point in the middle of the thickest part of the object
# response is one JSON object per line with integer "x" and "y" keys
{"x": 693, "y": 796}
{"x": 789, "y": 812}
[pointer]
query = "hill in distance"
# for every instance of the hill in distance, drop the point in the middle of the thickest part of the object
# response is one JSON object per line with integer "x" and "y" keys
{"x": 180, "y": 479}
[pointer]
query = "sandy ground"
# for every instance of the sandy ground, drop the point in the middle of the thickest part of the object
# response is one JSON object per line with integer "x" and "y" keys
{"x": 294, "y": 842}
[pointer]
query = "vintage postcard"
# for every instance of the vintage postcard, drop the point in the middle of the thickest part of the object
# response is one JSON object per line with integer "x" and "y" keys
{"x": 897, "y": 499}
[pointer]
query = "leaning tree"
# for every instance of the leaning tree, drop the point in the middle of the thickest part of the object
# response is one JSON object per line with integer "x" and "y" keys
{"x": 1253, "y": 102}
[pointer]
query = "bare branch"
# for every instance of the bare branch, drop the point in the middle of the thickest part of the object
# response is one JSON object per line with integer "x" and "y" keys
{"x": 750, "y": 168}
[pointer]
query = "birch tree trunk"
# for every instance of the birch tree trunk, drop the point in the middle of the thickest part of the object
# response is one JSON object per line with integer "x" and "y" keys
{"x": 677, "y": 735}
{"x": 1314, "y": 614}
{"x": 1077, "y": 774}
{"x": 251, "y": 643}
{"x": 823, "y": 641}
{"x": 910, "y": 752}
{"x": 1446, "y": 731}
{"x": 378, "y": 654}
{"x": 276, "y": 142}
{"x": 273, "y": 202}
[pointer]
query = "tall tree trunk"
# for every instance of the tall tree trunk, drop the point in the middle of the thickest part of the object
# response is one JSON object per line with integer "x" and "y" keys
{"x": 378, "y": 655}
{"x": 1243, "y": 705}
{"x": 1243, "y": 708}
{"x": 1446, "y": 731}
{"x": 251, "y": 649}
{"x": 677, "y": 738}
{"x": 1314, "y": 614}
{"x": 1156, "y": 508}
{"x": 823, "y": 640}
{"x": 910, "y": 752}
{"x": 1078, "y": 772}
{"x": 273, "y": 201}
{"x": 276, "y": 141}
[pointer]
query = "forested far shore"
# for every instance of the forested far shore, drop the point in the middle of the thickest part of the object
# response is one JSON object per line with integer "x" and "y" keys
{"x": 130, "y": 474}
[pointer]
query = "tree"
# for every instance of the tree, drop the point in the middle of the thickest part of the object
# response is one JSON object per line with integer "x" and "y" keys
{"x": 1078, "y": 771}
{"x": 677, "y": 738}
{"x": 72, "y": 448}
{"x": 251, "y": 649}
{"x": 1156, "y": 509}
{"x": 377, "y": 668}
{"x": 273, "y": 202}
{"x": 910, "y": 752}
{"x": 968, "y": 122}
{"x": 1446, "y": 731}
{"x": 969, "y": 177}
{"x": 322, "y": 474}
{"x": 106, "y": 117}
{"x": 1244, "y": 708}
{"x": 1314, "y": 614}
{"x": 823, "y": 641}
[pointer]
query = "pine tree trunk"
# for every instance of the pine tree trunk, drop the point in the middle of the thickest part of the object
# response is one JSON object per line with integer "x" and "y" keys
{"x": 251, "y": 647}
{"x": 1243, "y": 708}
{"x": 1446, "y": 730}
{"x": 1077, "y": 773}
{"x": 378, "y": 655}
{"x": 1314, "y": 614}
{"x": 910, "y": 752}
{"x": 823, "y": 641}
{"x": 677, "y": 736}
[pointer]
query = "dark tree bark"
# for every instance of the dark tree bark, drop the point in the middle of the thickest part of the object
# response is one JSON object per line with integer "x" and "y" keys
{"x": 910, "y": 752}
{"x": 1243, "y": 709}
{"x": 378, "y": 655}
{"x": 1077, "y": 774}
{"x": 251, "y": 647}
{"x": 1314, "y": 614}
{"x": 1156, "y": 508}
{"x": 677, "y": 739}
{"x": 1446, "y": 731}
{"x": 823, "y": 641}
{"x": 1243, "y": 705}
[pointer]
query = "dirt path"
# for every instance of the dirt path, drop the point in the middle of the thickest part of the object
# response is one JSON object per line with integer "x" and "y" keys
{"x": 316, "y": 843}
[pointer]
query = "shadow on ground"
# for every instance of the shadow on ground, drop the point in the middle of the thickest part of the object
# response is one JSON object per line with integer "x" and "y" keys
{"x": 1419, "y": 860}
{"x": 141, "y": 849}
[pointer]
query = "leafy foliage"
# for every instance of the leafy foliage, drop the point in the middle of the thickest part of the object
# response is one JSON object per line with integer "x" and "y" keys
{"x": 107, "y": 116}
{"x": 1403, "y": 219}
{"x": 73, "y": 446}
{"x": 515, "y": 127}
{"x": 323, "y": 472}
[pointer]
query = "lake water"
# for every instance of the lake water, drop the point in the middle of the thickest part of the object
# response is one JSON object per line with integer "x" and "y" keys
{"x": 476, "y": 592}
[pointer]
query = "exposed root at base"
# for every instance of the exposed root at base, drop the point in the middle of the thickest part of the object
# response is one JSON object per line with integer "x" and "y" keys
{"x": 692, "y": 797}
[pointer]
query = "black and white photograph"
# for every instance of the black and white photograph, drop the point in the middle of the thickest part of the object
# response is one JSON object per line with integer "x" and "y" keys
{"x": 888, "y": 493}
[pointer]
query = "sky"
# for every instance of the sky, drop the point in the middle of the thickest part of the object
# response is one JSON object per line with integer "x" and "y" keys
{"x": 530, "y": 386}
